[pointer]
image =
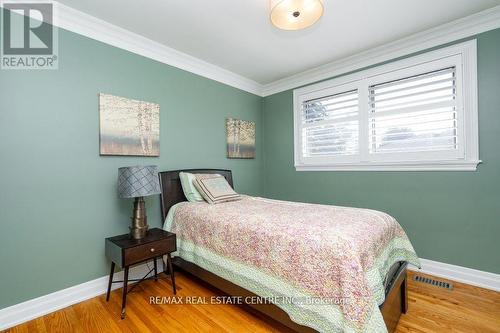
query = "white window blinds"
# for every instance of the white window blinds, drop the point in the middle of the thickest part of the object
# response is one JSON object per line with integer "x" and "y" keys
{"x": 414, "y": 114}
{"x": 418, "y": 113}
{"x": 330, "y": 125}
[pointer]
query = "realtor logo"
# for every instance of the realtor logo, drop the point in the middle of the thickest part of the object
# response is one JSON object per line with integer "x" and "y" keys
{"x": 29, "y": 38}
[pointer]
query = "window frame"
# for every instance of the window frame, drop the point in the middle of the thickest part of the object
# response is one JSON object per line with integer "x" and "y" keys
{"x": 326, "y": 92}
{"x": 462, "y": 56}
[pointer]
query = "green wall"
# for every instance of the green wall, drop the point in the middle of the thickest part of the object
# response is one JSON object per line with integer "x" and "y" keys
{"x": 58, "y": 197}
{"x": 452, "y": 217}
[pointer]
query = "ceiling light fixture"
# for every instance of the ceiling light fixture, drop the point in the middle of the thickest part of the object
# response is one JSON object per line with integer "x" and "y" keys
{"x": 295, "y": 14}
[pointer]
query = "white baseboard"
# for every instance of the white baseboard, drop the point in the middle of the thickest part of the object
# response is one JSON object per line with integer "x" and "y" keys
{"x": 460, "y": 274}
{"x": 37, "y": 307}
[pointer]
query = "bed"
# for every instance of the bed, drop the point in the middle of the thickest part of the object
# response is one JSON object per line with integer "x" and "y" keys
{"x": 306, "y": 317}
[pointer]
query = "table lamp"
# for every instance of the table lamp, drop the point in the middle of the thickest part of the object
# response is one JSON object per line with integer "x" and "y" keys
{"x": 138, "y": 182}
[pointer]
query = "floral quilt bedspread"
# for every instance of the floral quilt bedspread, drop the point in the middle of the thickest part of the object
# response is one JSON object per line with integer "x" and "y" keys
{"x": 326, "y": 263}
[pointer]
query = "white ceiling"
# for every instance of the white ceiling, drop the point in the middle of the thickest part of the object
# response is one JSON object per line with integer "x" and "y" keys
{"x": 238, "y": 36}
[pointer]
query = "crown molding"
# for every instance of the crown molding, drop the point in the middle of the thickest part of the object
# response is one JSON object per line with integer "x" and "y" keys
{"x": 89, "y": 26}
{"x": 92, "y": 27}
{"x": 453, "y": 31}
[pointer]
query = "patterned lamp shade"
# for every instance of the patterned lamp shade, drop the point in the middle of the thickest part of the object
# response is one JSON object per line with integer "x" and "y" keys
{"x": 138, "y": 181}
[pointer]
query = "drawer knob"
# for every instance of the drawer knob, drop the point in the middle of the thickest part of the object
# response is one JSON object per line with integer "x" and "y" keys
{"x": 152, "y": 249}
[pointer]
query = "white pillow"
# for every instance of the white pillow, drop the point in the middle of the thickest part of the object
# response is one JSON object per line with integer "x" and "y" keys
{"x": 191, "y": 193}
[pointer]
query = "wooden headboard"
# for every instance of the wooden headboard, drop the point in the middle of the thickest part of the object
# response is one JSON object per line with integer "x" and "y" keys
{"x": 171, "y": 189}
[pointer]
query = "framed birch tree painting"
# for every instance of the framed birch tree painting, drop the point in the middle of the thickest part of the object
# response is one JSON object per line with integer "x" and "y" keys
{"x": 128, "y": 127}
{"x": 240, "y": 136}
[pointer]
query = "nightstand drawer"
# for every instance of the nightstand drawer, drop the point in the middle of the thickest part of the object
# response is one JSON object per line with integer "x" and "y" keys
{"x": 150, "y": 250}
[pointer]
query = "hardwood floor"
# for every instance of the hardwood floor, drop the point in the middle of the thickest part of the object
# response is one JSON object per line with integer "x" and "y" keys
{"x": 431, "y": 309}
{"x": 463, "y": 309}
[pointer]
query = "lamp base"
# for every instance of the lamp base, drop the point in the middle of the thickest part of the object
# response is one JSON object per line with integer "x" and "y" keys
{"x": 138, "y": 233}
{"x": 139, "y": 227}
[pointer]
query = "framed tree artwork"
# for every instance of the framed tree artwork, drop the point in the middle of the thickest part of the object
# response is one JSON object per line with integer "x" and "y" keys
{"x": 128, "y": 127}
{"x": 240, "y": 136}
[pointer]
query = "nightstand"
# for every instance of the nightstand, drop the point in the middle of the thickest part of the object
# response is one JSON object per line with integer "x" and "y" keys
{"x": 125, "y": 251}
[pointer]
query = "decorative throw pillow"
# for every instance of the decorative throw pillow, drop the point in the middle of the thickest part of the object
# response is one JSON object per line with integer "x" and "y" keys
{"x": 214, "y": 188}
{"x": 191, "y": 193}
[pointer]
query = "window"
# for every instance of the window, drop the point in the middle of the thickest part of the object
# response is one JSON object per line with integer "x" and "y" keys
{"x": 419, "y": 113}
{"x": 331, "y": 125}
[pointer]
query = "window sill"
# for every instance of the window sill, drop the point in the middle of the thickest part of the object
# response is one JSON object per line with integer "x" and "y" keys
{"x": 395, "y": 166}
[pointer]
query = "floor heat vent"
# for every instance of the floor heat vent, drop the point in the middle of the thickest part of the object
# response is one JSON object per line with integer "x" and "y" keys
{"x": 433, "y": 282}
